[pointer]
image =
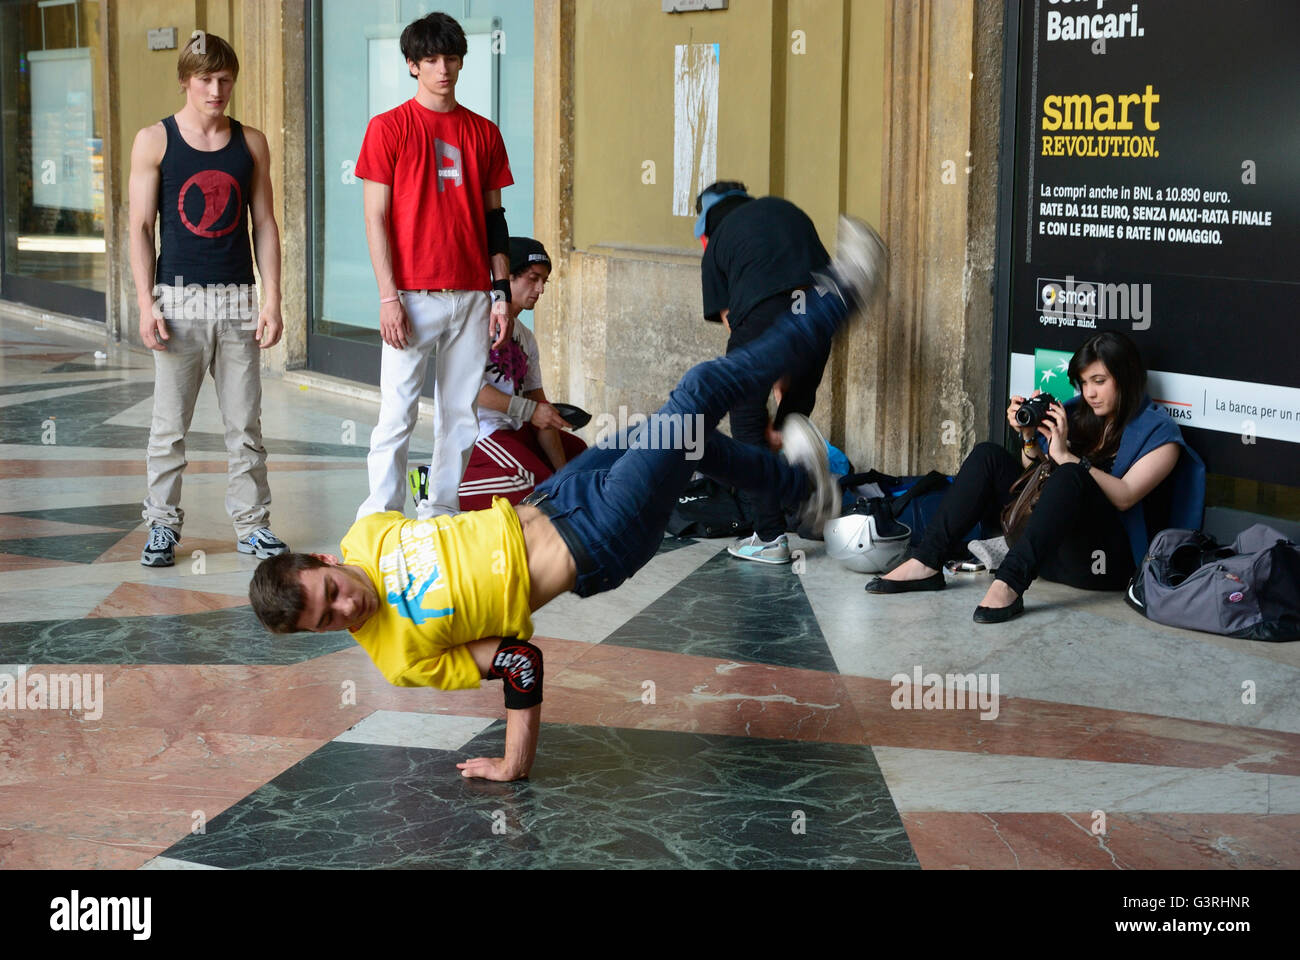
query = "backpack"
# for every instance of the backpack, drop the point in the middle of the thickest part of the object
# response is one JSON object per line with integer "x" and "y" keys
{"x": 1250, "y": 589}
{"x": 705, "y": 508}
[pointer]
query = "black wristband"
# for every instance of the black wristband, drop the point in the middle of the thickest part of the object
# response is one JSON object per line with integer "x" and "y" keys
{"x": 502, "y": 286}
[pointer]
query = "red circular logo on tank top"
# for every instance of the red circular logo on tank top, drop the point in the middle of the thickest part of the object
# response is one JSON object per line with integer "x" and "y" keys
{"x": 217, "y": 187}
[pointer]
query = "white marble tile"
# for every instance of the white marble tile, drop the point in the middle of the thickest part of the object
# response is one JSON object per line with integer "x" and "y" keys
{"x": 34, "y": 396}
{"x": 9, "y": 672}
{"x": 232, "y": 583}
{"x": 72, "y": 601}
{"x": 1283, "y": 794}
{"x": 942, "y": 780}
{"x": 38, "y": 451}
{"x": 1070, "y": 646}
{"x": 431, "y": 731}
{"x": 168, "y": 863}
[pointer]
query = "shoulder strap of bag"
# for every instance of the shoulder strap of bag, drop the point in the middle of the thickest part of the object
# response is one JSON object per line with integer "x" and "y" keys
{"x": 932, "y": 481}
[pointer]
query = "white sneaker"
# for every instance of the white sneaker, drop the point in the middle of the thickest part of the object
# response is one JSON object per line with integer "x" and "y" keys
{"x": 262, "y": 543}
{"x": 861, "y": 259}
{"x": 803, "y": 444}
{"x": 764, "y": 551}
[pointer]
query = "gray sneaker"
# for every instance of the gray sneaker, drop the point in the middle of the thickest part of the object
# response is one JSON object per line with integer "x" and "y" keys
{"x": 160, "y": 550}
{"x": 804, "y": 445}
{"x": 752, "y": 548}
{"x": 262, "y": 543}
{"x": 861, "y": 259}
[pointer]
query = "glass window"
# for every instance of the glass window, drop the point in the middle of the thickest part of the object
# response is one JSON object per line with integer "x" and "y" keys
{"x": 52, "y": 157}
{"x": 357, "y": 71}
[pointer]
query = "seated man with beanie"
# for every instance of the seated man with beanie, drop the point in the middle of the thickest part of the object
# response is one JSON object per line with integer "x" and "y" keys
{"x": 522, "y": 440}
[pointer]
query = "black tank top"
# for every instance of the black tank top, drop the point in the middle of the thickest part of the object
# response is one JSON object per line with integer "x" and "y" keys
{"x": 203, "y": 200}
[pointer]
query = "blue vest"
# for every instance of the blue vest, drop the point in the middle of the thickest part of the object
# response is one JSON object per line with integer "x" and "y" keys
{"x": 1152, "y": 428}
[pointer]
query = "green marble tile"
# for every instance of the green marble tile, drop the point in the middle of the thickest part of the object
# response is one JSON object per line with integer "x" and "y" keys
{"x": 70, "y": 548}
{"x": 124, "y": 516}
{"x": 212, "y": 637}
{"x": 598, "y": 798}
{"x": 731, "y": 609}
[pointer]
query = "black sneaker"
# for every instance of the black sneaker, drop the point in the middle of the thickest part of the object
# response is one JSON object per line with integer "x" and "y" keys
{"x": 160, "y": 551}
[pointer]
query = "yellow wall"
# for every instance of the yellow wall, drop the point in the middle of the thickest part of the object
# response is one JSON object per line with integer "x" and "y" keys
{"x": 623, "y": 113}
{"x": 863, "y": 139}
{"x": 800, "y": 125}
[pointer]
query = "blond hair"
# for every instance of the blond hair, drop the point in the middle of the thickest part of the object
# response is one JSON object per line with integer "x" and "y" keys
{"x": 206, "y": 53}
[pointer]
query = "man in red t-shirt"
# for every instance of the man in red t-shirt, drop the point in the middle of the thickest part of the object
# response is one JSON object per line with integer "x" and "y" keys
{"x": 433, "y": 174}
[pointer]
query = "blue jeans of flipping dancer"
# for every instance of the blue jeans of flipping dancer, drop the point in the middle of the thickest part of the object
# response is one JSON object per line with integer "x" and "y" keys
{"x": 611, "y": 506}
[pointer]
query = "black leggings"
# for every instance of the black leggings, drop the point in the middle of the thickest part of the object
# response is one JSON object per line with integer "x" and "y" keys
{"x": 749, "y": 417}
{"x": 1074, "y": 536}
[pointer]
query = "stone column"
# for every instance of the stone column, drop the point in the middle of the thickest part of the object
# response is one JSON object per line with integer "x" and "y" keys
{"x": 924, "y": 354}
{"x": 556, "y": 320}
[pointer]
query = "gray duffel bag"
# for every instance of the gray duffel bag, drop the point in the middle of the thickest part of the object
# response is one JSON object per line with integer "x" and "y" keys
{"x": 1250, "y": 589}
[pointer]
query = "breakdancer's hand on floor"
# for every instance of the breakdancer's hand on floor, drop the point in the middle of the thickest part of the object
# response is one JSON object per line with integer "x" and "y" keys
{"x": 522, "y": 727}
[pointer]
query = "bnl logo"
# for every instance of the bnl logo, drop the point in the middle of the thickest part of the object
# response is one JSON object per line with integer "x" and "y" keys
{"x": 445, "y": 153}
{"x": 1073, "y": 299}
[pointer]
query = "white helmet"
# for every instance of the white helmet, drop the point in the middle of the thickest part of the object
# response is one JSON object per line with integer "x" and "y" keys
{"x": 869, "y": 540}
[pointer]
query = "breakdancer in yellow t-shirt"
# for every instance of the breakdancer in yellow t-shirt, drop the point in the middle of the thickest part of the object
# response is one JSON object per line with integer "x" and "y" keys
{"x": 447, "y": 602}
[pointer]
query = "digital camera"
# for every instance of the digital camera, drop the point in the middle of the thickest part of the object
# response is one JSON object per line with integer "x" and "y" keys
{"x": 1030, "y": 413}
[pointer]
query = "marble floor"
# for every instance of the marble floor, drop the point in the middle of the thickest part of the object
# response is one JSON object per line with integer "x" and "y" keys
{"x": 709, "y": 713}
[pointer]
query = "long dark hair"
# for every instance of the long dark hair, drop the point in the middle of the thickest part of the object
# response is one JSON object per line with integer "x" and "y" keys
{"x": 1089, "y": 433}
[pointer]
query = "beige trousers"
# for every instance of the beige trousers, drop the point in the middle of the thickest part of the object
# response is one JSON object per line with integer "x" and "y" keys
{"x": 212, "y": 330}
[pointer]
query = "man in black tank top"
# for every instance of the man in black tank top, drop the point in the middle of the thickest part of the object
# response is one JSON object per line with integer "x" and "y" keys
{"x": 206, "y": 177}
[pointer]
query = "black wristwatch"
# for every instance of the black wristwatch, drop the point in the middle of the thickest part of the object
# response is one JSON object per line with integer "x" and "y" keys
{"x": 1085, "y": 463}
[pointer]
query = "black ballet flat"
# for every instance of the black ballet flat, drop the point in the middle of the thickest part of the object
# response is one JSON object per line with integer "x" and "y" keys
{"x": 881, "y": 585}
{"x": 1000, "y": 614}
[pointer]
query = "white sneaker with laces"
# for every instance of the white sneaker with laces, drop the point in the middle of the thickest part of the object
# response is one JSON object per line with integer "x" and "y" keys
{"x": 803, "y": 444}
{"x": 764, "y": 551}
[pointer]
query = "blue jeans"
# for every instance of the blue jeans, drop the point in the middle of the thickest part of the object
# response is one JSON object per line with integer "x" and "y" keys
{"x": 611, "y": 505}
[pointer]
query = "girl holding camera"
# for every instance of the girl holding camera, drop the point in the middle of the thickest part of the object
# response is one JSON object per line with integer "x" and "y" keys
{"x": 1123, "y": 472}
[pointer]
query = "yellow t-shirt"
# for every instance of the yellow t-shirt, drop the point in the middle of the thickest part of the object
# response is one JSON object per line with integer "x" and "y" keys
{"x": 442, "y": 583}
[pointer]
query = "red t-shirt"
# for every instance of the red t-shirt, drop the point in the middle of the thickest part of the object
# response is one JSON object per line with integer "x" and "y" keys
{"x": 439, "y": 166}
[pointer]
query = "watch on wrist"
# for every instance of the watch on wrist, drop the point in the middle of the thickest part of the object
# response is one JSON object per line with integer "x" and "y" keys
{"x": 1085, "y": 463}
{"x": 497, "y": 296}
{"x": 501, "y": 290}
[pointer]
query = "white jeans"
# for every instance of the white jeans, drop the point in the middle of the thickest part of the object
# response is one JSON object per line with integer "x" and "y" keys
{"x": 453, "y": 327}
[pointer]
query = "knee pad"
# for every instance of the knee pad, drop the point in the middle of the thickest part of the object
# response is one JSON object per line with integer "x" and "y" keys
{"x": 518, "y": 665}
